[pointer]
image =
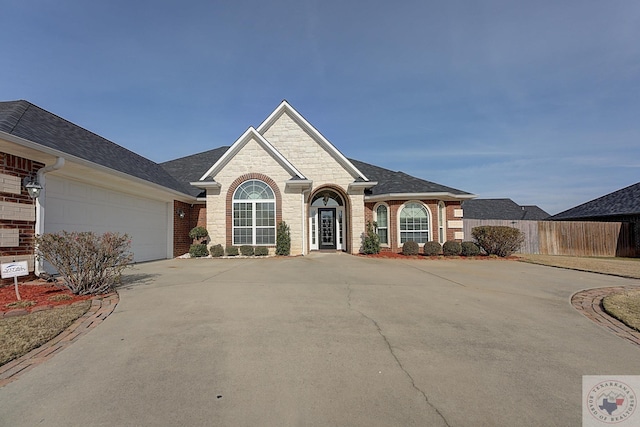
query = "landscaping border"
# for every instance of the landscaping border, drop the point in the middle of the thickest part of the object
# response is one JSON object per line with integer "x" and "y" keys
{"x": 101, "y": 307}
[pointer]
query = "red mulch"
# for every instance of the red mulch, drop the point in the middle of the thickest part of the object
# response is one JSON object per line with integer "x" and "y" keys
{"x": 393, "y": 255}
{"x": 39, "y": 292}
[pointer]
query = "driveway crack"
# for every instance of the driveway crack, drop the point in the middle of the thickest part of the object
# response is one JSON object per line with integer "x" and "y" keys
{"x": 393, "y": 354}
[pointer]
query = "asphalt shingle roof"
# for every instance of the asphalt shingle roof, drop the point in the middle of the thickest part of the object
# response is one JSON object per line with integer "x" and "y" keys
{"x": 190, "y": 168}
{"x": 625, "y": 201}
{"x": 503, "y": 209}
{"x": 28, "y": 121}
{"x": 390, "y": 182}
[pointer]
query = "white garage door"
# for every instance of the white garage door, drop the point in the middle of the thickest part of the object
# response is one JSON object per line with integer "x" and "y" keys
{"x": 75, "y": 206}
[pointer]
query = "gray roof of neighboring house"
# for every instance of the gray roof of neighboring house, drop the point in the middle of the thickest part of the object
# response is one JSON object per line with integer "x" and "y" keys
{"x": 390, "y": 182}
{"x": 28, "y": 121}
{"x": 190, "y": 169}
{"x": 622, "y": 202}
{"x": 502, "y": 209}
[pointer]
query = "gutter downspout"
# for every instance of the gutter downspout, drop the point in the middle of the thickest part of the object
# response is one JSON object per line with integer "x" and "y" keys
{"x": 40, "y": 205}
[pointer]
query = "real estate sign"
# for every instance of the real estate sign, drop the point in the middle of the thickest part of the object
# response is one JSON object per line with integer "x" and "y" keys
{"x": 14, "y": 269}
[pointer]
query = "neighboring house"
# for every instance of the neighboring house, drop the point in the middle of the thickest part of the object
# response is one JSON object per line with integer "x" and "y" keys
{"x": 620, "y": 206}
{"x": 283, "y": 170}
{"x": 502, "y": 209}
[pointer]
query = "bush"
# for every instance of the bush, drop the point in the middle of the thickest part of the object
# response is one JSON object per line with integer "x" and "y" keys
{"x": 498, "y": 239}
{"x": 232, "y": 251}
{"x": 261, "y": 251}
{"x": 216, "y": 251}
{"x": 371, "y": 244}
{"x": 432, "y": 249}
{"x": 283, "y": 239}
{"x": 198, "y": 250}
{"x": 470, "y": 249}
{"x": 410, "y": 248}
{"x": 198, "y": 233}
{"x": 451, "y": 248}
{"x": 246, "y": 250}
{"x": 88, "y": 263}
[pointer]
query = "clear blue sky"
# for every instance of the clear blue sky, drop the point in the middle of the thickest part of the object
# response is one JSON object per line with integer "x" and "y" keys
{"x": 538, "y": 101}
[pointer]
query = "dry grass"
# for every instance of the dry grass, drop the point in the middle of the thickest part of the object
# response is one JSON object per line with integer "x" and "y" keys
{"x": 624, "y": 307}
{"x": 19, "y": 335}
{"x": 625, "y": 267}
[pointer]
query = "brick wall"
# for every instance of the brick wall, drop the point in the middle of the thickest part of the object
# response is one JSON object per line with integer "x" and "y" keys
{"x": 17, "y": 212}
{"x": 194, "y": 216}
{"x": 432, "y": 205}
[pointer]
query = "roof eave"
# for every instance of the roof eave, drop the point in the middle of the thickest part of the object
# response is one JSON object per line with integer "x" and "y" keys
{"x": 419, "y": 196}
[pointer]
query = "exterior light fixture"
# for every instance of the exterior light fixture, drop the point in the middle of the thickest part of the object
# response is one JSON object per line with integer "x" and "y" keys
{"x": 32, "y": 186}
{"x": 180, "y": 213}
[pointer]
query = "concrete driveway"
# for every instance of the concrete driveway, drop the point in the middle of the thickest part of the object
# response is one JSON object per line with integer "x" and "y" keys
{"x": 330, "y": 340}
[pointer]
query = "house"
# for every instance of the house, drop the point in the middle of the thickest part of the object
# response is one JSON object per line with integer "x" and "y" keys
{"x": 501, "y": 209}
{"x": 283, "y": 170}
{"x": 619, "y": 206}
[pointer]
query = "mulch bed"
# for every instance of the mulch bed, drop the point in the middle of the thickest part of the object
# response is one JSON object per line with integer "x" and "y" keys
{"x": 393, "y": 255}
{"x": 36, "y": 296}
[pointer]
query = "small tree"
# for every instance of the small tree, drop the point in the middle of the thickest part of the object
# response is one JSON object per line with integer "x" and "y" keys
{"x": 283, "y": 239}
{"x": 498, "y": 239}
{"x": 198, "y": 234}
{"x": 88, "y": 263}
{"x": 371, "y": 243}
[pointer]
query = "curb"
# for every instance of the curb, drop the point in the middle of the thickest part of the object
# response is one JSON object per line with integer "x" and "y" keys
{"x": 101, "y": 307}
{"x": 589, "y": 303}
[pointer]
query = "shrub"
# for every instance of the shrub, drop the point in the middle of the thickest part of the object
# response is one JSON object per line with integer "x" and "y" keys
{"x": 371, "y": 243}
{"x": 432, "y": 248}
{"x": 261, "y": 251}
{"x": 216, "y": 251}
{"x": 198, "y": 250}
{"x": 410, "y": 248}
{"x": 199, "y": 234}
{"x": 232, "y": 251}
{"x": 283, "y": 239}
{"x": 470, "y": 249}
{"x": 451, "y": 248}
{"x": 246, "y": 250}
{"x": 498, "y": 239}
{"x": 88, "y": 263}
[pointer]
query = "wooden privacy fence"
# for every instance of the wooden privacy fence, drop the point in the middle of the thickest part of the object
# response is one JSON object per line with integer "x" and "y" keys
{"x": 575, "y": 238}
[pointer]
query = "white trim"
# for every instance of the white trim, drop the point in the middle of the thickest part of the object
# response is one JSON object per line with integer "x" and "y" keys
{"x": 442, "y": 219}
{"x": 375, "y": 219}
{"x": 241, "y": 142}
{"x": 421, "y": 196}
{"x": 206, "y": 185}
{"x": 254, "y": 226}
{"x": 297, "y": 117}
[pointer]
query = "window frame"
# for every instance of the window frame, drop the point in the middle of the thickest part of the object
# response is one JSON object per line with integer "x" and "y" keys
{"x": 442, "y": 222}
{"x": 253, "y": 219}
{"x": 375, "y": 218}
{"x": 422, "y": 230}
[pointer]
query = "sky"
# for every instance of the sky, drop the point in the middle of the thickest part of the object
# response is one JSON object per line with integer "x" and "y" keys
{"x": 537, "y": 101}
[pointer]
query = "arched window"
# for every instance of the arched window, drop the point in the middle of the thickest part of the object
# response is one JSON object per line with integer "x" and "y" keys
{"x": 414, "y": 223}
{"x": 254, "y": 214}
{"x": 382, "y": 223}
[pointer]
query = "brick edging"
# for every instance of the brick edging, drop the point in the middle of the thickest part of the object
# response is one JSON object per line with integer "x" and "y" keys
{"x": 589, "y": 303}
{"x": 101, "y": 307}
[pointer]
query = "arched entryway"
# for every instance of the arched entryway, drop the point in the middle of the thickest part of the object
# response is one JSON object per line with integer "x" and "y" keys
{"x": 328, "y": 217}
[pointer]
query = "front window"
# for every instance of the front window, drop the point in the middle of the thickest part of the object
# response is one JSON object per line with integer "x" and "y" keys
{"x": 382, "y": 224}
{"x": 254, "y": 214}
{"x": 414, "y": 223}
